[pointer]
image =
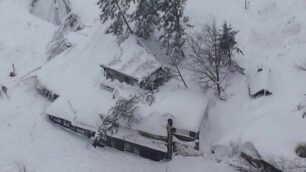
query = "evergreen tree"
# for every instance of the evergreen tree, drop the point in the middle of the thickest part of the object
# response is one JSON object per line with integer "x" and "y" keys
{"x": 228, "y": 43}
{"x": 125, "y": 109}
{"x": 115, "y": 11}
{"x": 145, "y": 17}
{"x": 173, "y": 26}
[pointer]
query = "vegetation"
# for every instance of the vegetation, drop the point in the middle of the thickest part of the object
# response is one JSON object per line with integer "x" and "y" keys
{"x": 212, "y": 52}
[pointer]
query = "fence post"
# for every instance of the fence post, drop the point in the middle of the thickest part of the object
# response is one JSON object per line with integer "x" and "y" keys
{"x": 169, "y": 139}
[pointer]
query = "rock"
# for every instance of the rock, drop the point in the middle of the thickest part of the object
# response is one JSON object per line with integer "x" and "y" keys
{"x": 301, "y": 151}
{"x": 219, "y": 152}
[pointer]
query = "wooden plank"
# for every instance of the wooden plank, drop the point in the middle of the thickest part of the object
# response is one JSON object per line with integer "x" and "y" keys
{"x": 259, "y": 164}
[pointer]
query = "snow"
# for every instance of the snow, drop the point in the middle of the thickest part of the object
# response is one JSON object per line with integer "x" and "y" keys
{"x": 52, "y": 11}
{"x": 27, "y": 136}
{"x": 174, "y": 104}
{"x": 133, "y": 136}
{"x": 83, "y": 108}
{"x": 271, "y": 32}
{"x": 134, "y": 59}
{"x": 17, "y": 43}
{"x": 270, "y": 35}
{"x": 177, "y": 103}
{"x": 13, "y": 167}
{"x": 259, "y": 79}
{"x": 73, "y": 71}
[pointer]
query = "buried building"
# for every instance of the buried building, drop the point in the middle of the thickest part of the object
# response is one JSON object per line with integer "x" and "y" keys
{"x": 142, "y": 70}
{"x": 169, "y": 123}
{"x": 259, "y": 82}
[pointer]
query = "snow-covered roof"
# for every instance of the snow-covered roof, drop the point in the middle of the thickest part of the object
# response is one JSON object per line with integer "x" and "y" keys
{"x": 134, "y": 59}
{"x": 82, "y": 108}
{"x": 186, "y": 108}
{"x": 78, "y": 66}
{"x": 259, "y": 79}
{"x": 83, "y": 111}
{"x": 76, "y": 76}
{"x": 133, "y": 136}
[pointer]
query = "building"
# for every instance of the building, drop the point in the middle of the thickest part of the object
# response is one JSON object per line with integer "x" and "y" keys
{"x": 167, "y": 126}
{"x": 51, "y": 95}
{"x": 137, "y": 68}
{"x": 259, "y": 82}
{"x": 151, "y": 81}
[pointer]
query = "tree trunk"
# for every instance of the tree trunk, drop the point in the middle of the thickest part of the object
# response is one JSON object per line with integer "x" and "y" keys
{"x": 230, "y": 58}
{"x": 218, "y": 90}
{"x": 124, "y": 18}
{"x": 218, "y": 81}
{"x": 181, "y": 76}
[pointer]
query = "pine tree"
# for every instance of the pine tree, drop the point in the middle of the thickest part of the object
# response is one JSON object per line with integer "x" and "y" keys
{"x": 115, "y": 11}
{"x": 228, "y": 43}
{"x": 125, "y": 110}
{"x": 173, "y": 26}
{"x": 145, "y": 17}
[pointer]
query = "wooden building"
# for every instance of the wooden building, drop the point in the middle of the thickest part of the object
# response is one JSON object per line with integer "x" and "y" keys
{"x": 164, "y": 128}
{"x": 138, "y": 67}
{"x": 157, "y": 78}
{"x": 51, "y": 95}
{"x": 171, "y": 123}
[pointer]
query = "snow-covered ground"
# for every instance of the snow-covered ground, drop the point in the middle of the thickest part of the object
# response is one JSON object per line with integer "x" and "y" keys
{"x": 272, "y": 33}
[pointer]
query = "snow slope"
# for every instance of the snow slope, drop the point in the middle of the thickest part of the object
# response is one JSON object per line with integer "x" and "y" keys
{"x": 22, "y": 38}
{"x": 272, "y": 34}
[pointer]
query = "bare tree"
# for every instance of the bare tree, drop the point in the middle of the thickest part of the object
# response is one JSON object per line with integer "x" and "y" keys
{"x": 210, "y": 64}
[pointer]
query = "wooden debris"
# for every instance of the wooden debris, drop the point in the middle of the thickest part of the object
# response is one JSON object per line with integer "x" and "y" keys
{"x": 259, "y": 164}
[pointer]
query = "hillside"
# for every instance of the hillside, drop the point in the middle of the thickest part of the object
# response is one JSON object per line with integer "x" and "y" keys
{"x": 271, "y": 35}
